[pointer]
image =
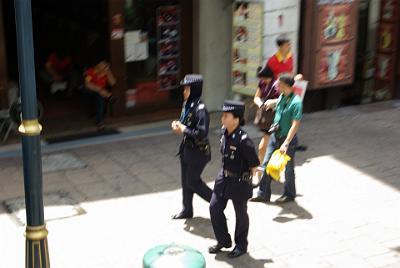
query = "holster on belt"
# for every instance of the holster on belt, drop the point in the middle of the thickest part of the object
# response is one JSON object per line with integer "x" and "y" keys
{"x": 203, "y": 145}
{"x": 245, "y": 176}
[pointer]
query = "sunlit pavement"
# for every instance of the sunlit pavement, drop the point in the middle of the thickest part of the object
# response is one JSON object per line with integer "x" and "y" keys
{"x": 346, "y": 214}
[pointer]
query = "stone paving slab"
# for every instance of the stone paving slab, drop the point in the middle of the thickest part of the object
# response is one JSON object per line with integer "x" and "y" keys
{"x": 346, "y": 213}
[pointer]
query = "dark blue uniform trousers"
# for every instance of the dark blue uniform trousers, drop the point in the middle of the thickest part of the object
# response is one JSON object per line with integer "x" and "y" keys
{"x": 191, "y": 170}
{"x": 218, "y": 220}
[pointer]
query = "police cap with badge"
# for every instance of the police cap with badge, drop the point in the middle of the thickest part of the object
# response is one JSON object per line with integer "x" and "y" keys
{"x": 236, "y": 108}
{"x": 191, "y": 79}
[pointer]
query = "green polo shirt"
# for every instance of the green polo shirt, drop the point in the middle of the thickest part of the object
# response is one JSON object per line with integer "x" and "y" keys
{"x": 289, "y": 108}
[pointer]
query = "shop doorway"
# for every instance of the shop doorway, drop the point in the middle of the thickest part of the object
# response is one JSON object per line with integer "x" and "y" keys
{"x": 82, "y": 31}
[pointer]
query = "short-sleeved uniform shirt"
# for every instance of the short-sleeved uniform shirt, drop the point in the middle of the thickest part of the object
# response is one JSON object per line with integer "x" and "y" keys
{"x": 93, "y": 77}
{"x": 289, "y": 108}
{"x": 238, "y": 156}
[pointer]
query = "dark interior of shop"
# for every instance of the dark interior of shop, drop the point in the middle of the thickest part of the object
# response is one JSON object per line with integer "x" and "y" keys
{"x": 81, "y": 31}
{"x": 78, "y": 31}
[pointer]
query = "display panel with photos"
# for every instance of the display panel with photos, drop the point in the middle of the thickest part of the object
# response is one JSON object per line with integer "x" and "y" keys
{"x": 246, "y": 45}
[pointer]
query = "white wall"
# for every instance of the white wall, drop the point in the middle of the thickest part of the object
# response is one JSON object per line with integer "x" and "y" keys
{"x": 290, "y": 12}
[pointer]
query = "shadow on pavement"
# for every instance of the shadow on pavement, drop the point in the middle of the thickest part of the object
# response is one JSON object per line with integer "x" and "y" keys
{"x": 199, "y": 226}
{"x": 243, "y": 261}
{"x": 292, "y": 211}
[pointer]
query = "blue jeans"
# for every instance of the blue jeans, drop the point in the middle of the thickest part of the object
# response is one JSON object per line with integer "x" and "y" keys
{"x": 265, "y": 186}
{"x": 100, "y": 103}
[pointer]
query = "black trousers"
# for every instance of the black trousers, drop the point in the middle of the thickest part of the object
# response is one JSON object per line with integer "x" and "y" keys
{"x": 191, "y": 170}
{"x": 218, "y": 220}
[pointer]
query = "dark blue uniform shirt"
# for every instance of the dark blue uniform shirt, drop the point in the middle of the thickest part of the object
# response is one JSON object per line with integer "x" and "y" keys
{"x": 238, "y": 156}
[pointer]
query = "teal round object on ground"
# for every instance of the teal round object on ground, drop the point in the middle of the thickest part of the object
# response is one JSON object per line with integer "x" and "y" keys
{"x": 173, "y": 255}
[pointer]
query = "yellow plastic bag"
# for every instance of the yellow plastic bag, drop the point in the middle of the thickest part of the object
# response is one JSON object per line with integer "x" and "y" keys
{"x": 277, "y": 164}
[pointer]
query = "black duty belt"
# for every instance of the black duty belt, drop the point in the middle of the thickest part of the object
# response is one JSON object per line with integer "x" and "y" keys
{"x": 231, "y": 174}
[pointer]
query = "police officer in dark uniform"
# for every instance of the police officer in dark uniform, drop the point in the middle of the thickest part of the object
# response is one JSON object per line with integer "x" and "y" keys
{"x": 239, "y": 163}
{"x": 194, "y": 150}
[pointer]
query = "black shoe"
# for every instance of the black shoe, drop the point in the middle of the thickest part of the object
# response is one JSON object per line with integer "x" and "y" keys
{"x": 217, "y": 248}
{"x": 100, "y": 126}
{"x": 236, "y": 252}
{"x": 284, "y": 199}
{"x": 301, "y": 148}
{"x": 182, "y": 215}
{"x": 259, "y": 199}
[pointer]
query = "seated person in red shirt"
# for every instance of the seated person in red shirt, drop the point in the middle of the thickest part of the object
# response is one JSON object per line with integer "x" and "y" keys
{"x": 58, "y": 71}
{"x": 282, "y": 61}
{"x": 98, "y": 81}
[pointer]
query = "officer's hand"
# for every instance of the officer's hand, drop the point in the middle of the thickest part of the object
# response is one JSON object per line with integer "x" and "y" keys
{"x": 175, "y": 127}
{"x": 182, "y": 127}
{"x": 284, "y": 148}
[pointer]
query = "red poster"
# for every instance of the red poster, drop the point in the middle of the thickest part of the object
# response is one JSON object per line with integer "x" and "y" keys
{"x": 335, "y": 23}
{"x": 389, "y": 10}
{"x": 385, "y": 66}
{"x": 333, "y": 64}
{"x": 387, "y": 41}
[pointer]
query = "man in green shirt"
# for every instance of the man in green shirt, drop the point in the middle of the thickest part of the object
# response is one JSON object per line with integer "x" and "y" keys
{"x": 289, "y": 109}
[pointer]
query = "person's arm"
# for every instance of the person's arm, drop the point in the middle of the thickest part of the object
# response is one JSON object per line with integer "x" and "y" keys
{"x": 202, "y": 126}
{"x": 292, "y": 131}
{"x": 90, "y": 86}
{"x": 296, "y": 117}
{"x": 257, "y": 98}
{"x": 248, "y": 151}
{"x": 110, "y": 76}
{"x": 271, "y": 104}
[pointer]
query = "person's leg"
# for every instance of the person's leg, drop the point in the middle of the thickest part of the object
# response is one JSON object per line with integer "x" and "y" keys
{"x": 218, "y": 220}
{"x": 242, "y": 224}
{"x": 290, "y": 186}
{"x": 264, "y": 192}
{"x": 262, "y": 147}
{"x": 194, "y": 181}
{"x": 187, "y": 195}
{"x": 99, "y": 109}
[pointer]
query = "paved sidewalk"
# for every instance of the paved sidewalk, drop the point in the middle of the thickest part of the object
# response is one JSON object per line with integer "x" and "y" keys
{"x": 346, "y": 214}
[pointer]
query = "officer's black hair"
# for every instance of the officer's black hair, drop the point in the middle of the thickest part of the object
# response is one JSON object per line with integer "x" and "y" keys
{"x": 282, "y": 39}
{"x": 242, "y": 121}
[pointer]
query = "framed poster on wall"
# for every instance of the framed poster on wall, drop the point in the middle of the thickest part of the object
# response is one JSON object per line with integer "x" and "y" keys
{"x": 246, "y": 45}
{"x": 387, "y": 37}
{"x": 335, "y": 24}
{"x": 168, "y": 40}
{"x": 328, "y": 57}
{"x": 333, "y": 65}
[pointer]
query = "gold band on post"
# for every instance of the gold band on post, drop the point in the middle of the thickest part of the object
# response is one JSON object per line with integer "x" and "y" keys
{"x": 36, "y": 233}
{"x": 30, "y": 127}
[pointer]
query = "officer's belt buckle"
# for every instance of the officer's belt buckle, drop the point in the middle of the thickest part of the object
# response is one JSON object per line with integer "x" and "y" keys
{"x": 230, "y": 174}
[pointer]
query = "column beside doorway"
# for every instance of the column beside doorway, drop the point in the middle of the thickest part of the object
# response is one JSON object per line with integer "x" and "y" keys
{"x": 3, "y": 63}
{"x": 117, "y": 56}
{"x": 212, "y": 43}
